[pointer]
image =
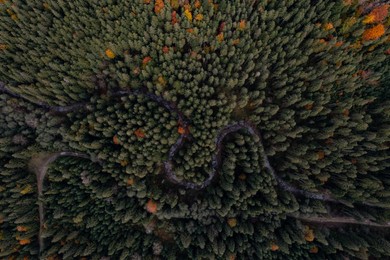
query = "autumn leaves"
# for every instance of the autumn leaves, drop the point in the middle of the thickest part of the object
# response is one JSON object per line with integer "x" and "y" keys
{"x": 309, "y": 236}
{"x": 182, "y": 11}
{"x": 374, "y": 25}
{"x": 375, "y": 18}
{"x": 21, "y": 239}
{"x": 158, "y": 6}
{"x": 374, "y": 33}
{"x": 151, "y": 206}
{"x": 110, "y": 54}
{"x": 140, "y": 134}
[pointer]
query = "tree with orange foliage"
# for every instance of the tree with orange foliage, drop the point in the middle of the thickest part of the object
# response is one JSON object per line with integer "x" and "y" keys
{"x": 151, "y": 206}
{"x": 377, "y": 15}
{"x": 159, "y": 6}
{"x": 374, "y": 32}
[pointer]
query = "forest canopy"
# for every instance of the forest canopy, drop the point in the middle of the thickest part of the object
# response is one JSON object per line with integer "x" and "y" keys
{"x": 194, "y": 129}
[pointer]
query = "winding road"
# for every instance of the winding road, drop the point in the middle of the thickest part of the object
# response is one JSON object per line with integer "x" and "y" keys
{"x": 169, "y": 172}
{"x": 39, "y": 164}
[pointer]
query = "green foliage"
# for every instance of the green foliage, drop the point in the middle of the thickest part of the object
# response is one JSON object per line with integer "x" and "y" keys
{"x": 319, "y": 96}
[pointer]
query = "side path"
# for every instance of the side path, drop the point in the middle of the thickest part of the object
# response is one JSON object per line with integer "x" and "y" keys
{"x": 39, "y": 164}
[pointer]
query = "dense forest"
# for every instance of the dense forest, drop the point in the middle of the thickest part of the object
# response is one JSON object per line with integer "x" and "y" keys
{"x": 194, "y": 129}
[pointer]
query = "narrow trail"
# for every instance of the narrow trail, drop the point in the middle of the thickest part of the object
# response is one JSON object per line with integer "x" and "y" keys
{"x": 169, "y": 172}
{"x": 39, "y": 164}
{"x": 338, "y": 220}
